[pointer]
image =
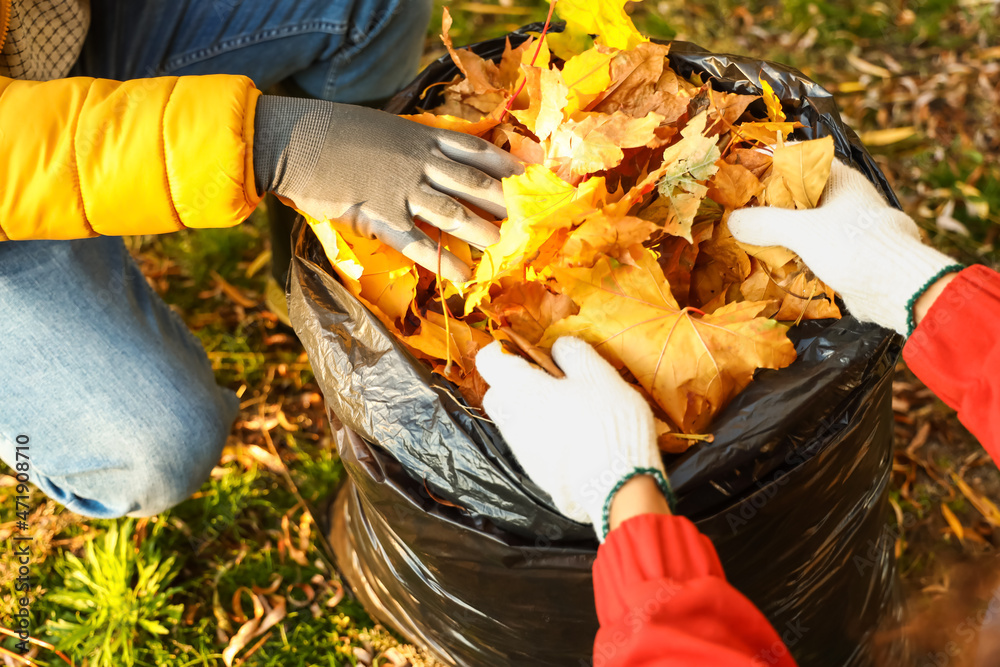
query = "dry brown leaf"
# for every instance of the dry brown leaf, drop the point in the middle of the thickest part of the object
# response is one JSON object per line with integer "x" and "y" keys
{"x": 483, "y": 75}
{"x": 634, "y": 77}
{"x": 691, "y": 365}
{"x": 795, "y": 295}
{"x": 733, "y": 186}
{"x": 725, "y": 109}
{"x": 529, "y": 309}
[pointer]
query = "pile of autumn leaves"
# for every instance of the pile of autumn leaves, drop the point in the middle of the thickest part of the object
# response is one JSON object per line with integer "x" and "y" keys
{"x": 616, "y": 231}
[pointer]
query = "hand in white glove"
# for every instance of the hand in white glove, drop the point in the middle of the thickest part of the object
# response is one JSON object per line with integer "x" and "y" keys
{"x": 581, "y": 437}
{"x": 867, "y": 251}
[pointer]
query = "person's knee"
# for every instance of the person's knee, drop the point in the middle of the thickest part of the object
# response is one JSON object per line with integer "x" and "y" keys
{"x": 142, "y": 464}
{"x": 170, "y": 467}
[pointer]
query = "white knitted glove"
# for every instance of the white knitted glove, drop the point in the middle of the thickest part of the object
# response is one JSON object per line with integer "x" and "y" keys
{"x": 867, "y": 251}
{"x": 581, "y": 437}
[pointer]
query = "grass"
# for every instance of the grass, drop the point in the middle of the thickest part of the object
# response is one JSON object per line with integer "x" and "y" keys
{"x": 194, "y": 571}
{"x": 115, "y": 597}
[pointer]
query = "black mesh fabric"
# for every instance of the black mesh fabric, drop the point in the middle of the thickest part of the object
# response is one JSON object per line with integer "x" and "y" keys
{"x": 44, "y": 38}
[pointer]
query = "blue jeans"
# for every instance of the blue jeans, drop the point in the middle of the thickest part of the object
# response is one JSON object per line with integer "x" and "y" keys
{"x": 115, "y": 396}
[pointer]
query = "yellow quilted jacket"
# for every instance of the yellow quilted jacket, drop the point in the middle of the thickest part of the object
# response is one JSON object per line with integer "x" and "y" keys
{"x": 81, "y": 157}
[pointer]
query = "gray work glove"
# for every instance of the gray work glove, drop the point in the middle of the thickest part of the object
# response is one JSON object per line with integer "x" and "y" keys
{"x": 377, "y": 172}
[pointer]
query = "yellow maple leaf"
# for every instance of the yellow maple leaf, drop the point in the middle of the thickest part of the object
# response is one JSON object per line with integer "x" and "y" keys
{"x": 691, "y": 364}
{"x": 373, "y": 271}
{"x": 547, "y": 92}
{"x": 606, "y": 19}
{"x": 805, "y": 169}
{"x": 587, "y": 75}
{"x": 458, "y": 342}
{"x": 765, "y": 133}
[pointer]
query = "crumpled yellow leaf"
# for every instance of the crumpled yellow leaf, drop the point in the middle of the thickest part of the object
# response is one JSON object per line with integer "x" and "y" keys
{"x": 733, "y": 186}
{"x": 775, "y": 113}
{"x": 765, "y": 133}
{"x": 776, "y": 192}
{"x": 771, "y": 255}
{"x": 794, "y": 294}
{"x": 725, "y": 109}
{"x": 606, "y": 19}
{"x": 548, "y": 92}
{"x": 510, "y": 63}
{"x": 600, "y": 234}
{"x": 692, "y": 365}
{"x": 371, "y": 270}
{"x": 338, "y": 251}
{"x": 432, "y": 341}
{"x": 523, "y": 148}
{"x": 538, "y": 204}
{"x": 805, "y": 169}
{"x": 594, "y": 141}
{"x": 721, "y": 266}
{"x": 675, "y": 214}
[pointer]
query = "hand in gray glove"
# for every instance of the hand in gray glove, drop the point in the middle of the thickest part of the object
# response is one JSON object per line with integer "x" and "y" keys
{"x": 377, "y": 172}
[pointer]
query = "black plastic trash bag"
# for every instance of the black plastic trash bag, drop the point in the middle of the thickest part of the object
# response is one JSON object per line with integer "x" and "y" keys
{"x": 443, "y": 538}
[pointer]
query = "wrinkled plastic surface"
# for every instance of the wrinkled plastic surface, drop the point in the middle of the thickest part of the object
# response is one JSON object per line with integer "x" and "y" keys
{"x": 442, "y": 536}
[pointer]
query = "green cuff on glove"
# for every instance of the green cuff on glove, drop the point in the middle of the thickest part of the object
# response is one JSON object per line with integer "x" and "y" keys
{"x": 661, "y": 481}
{"x": 911, "y": 321}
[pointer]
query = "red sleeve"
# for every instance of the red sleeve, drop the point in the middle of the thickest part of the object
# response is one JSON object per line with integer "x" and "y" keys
{"x": 955, "y": 351}
{"x": 662, "y": 599}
